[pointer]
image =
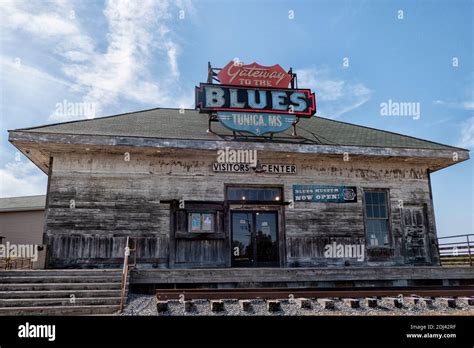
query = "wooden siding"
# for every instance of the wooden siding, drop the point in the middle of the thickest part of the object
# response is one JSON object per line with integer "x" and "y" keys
{"x": 301, "y": 275}
{"x": 114, "y": 198}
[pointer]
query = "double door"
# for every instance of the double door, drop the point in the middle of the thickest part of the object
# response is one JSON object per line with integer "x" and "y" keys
{"x": 254, "y": 239}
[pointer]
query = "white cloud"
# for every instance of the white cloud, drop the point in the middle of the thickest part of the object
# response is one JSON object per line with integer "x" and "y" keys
{"x": 139, "y": 34}
{"x": 26, "y": 73}
{"x": 336, "y": 96}
{"x": 21, "y": 179}
{"x": 28, "y": 93}
{"x": 46, "y": 20}
{"x": 465, "y": 105}
{"x": 438, "y": 122}
{"x": 102, "y": 68}
{"x": 467, "y": 134}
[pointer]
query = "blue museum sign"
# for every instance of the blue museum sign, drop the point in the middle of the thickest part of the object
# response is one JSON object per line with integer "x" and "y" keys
{"x": 324, "y": 194}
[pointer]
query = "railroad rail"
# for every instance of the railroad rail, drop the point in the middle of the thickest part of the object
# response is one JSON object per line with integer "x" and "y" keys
{"x": 285, "y": 293}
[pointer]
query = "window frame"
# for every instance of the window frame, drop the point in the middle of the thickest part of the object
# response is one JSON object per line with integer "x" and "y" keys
{"x": 388, "y": 218}
{"x": 189, "y": 214}
{"x": 280, "y": 188}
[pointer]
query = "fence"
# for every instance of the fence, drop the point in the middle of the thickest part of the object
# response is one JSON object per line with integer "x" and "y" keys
{"x": 456, "y": 250}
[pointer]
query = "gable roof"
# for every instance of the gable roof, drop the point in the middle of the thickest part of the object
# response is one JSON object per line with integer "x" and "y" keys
{"x": 190, "y": 124}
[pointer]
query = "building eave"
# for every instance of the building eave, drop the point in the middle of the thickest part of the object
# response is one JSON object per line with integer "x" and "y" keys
{"x": 34, "y": 145}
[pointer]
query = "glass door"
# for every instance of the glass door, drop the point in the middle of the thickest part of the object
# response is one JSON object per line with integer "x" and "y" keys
{"x": 266, "y": 241}
{"x": 254, "y": 239}
{"x": 242, "y": 246}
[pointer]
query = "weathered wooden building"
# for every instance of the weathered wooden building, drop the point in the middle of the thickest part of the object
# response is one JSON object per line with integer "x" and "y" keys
{"x": 155, "y": 176}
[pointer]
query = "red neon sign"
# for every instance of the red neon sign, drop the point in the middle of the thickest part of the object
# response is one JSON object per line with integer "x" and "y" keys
{"x": 256, "y": 75}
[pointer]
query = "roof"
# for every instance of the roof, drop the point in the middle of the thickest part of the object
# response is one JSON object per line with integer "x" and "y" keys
{"x": 190, "y": 124}
{"x": 24, "y": 203}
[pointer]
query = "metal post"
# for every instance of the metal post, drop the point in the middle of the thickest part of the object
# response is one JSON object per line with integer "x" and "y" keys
{"x": 209, "y": 72}
{"x": 469, "y": 250}
{"x": 209, "y": 80}
{"x": 292, "y": 78}
{"x": 124, "y": 275}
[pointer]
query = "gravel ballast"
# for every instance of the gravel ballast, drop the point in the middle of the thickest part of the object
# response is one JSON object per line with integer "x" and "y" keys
{"x": 144, "y": 305}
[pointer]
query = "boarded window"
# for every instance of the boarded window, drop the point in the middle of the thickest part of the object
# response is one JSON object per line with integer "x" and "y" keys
{"x": 376, "y": 213}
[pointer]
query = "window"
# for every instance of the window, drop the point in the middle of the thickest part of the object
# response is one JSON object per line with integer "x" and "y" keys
{"x": 376, "y": 213}
{"x": 201, "y": 222}
{"x": 254, "y": 194}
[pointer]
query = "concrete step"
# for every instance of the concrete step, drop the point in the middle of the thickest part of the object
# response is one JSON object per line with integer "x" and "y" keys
{"x": 59, "y": 286}
{"x": 65, "y": 301}
{"x": 61, "y": 279}
{"x": 48, "y": 292}
{"x": 60, "y": 310}
{"x": 59, "y": 294}
{"x": 59, "y": 272}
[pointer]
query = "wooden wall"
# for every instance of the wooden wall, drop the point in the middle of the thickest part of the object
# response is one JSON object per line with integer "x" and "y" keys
{"x": 97, "y": 199}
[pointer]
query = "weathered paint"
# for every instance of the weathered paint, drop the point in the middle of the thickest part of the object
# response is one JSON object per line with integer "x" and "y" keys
{"x": 115, "y": 198}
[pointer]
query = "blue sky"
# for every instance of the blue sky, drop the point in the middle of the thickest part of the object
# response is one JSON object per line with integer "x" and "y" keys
{"x": 122, "y": 57}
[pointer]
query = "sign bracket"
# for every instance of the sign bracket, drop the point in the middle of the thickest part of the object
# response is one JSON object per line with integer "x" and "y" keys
{"x": 212, "y": 73}
{"x": 294, "y": 126}
{"x": 211, "y": 77}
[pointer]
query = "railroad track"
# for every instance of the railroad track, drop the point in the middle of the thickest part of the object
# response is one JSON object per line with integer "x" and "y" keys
{"x": 285, "y": 293}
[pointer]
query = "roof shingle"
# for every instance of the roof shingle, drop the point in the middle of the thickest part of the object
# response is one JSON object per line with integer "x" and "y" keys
{"x": 190, "y": 124}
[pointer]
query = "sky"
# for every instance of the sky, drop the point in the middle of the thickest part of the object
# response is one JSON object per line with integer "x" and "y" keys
{"x": 117, "y": 56}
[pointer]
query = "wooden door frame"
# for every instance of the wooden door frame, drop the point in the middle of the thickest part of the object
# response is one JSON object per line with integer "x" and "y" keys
{"x": 254, "y": 208}
{"x": 279, "y": 206}
{"x": 254, "y": 213}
